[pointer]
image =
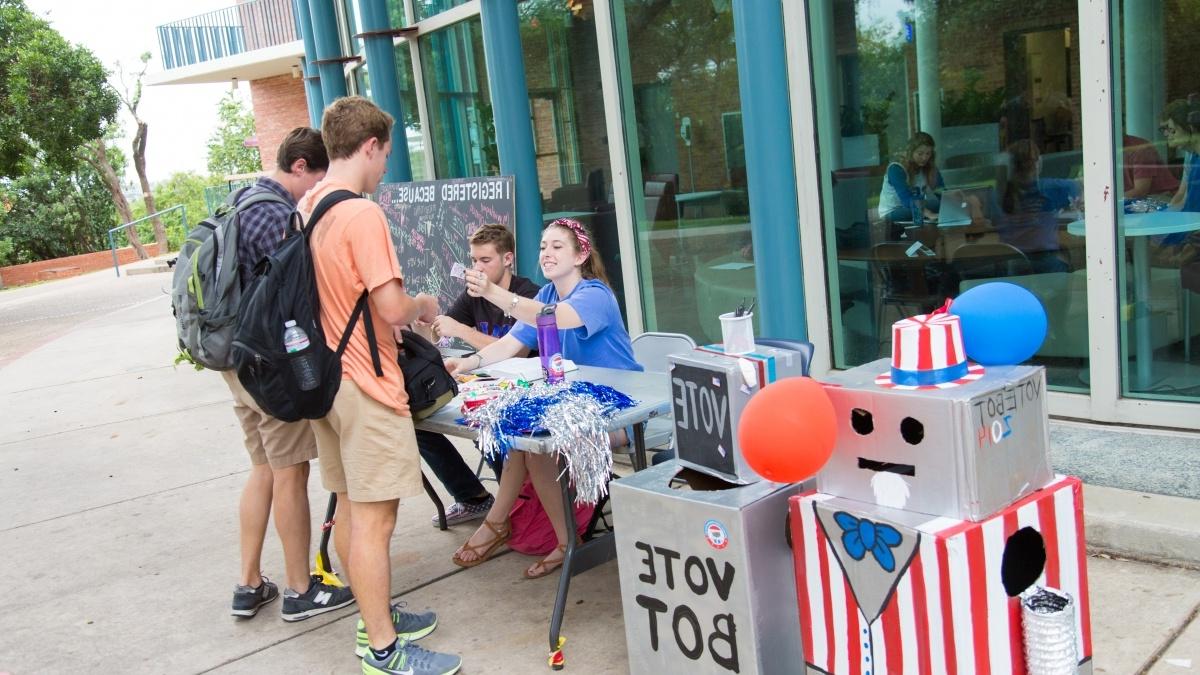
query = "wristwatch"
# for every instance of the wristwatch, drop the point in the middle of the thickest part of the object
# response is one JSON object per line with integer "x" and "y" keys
{"x": 512, "y": 304}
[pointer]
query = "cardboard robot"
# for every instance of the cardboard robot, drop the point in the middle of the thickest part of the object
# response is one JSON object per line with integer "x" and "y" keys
{"x": 936, "y": 513}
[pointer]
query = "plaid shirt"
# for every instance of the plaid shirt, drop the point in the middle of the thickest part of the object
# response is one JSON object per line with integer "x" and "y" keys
{"x": 261, "y": 227}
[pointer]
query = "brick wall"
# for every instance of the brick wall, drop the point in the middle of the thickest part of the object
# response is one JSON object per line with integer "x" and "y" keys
{"x": 57, "y": 268}
{"x": 279, "y": 107}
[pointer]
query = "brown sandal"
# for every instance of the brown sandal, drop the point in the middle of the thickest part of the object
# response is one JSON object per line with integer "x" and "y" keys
{"x": 483, "y": 551}
{"x": 544, "y": 567}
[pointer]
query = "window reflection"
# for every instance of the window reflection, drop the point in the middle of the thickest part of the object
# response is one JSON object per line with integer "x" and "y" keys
{"x": 566, "y": 103}
{"x": 945, "y": 167}
{"x": 462, "y": 132}
{"x": 1157, "y": 101}
{"x": 687, "y": 162}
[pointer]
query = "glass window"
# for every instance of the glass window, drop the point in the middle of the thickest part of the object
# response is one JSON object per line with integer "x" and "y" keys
{"x": 683, "y": 121}
{"x": 566, "y": 103}
{"x": 943, "y": 168}
{"x": 348, "y": 23}
{"x": 427, "y": 8}
{"x": 396, "y": 17}
{"x": 1156, "y": 96}
{"x": 462, "y": 132}
{"x": 412, "y": 117}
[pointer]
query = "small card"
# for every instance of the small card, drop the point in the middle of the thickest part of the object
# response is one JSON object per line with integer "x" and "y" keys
{"x": 458, "y": 271}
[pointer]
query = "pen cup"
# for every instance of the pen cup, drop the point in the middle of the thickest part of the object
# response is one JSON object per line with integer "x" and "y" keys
{"x": 737, "y": 333}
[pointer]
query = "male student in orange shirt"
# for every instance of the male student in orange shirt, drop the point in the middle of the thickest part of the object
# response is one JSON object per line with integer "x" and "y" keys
{"x": 366, "y": 444}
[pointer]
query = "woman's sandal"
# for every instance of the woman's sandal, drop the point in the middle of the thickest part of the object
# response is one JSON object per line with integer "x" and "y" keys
{"x": 543, "y": 567}
{"x": 483, "y": 551}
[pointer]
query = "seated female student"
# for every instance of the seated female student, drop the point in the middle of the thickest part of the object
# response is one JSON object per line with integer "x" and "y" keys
{"x": 913, "y": 173}
{"x": 592, "y": 334}
{"x": 1031, "y": 204}
{"x": 1181, "y": 128}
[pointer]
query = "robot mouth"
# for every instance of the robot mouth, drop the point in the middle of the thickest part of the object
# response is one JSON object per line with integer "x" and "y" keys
{"x": 887, "y": 467}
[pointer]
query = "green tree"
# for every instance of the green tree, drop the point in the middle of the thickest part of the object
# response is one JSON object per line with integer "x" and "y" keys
{"x": 227, "y": 151}
{"x": 49, "y": 213}
{"x": 53, "y": 95}
{"x": 181, "y": 187}
{"x": 131, "y": 99}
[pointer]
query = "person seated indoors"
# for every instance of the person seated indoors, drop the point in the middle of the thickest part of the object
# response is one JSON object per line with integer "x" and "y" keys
{"x": 479, "y": 323}
{"x": 591, "y": 332}
{"x": 1030, "y": 208}
{"x": 914, "y": 173}
{"x": 1143, "y": 172}
{"x": 1181, "y": 127}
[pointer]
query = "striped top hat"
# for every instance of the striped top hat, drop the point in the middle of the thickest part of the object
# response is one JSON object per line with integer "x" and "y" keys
{"x": 927, "y": 353}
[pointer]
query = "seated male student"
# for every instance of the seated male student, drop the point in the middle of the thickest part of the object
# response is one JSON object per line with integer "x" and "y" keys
{"x": 478, "y": 323}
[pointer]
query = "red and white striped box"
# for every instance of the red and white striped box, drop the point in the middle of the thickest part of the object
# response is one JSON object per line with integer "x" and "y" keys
{"x": 945, "y": 606}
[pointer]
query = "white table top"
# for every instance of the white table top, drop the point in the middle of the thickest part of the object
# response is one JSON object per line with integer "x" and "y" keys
{"x": 692, "y": 196}
{"x": 555, "y": 215}
{"x": 650, "y": 391}
{"x": 1148, "y": 224}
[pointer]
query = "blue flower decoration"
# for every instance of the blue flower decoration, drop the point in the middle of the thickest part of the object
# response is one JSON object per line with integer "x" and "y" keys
{"x": 860, "y": 535}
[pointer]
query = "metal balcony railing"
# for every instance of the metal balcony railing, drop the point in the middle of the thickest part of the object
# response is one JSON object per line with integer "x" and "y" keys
{"x": 244, "y": 27}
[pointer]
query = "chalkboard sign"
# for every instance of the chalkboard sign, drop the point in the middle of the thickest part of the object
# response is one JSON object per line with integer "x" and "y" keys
{"x": 703, "y": 417}
{"x": 431, "y": 222}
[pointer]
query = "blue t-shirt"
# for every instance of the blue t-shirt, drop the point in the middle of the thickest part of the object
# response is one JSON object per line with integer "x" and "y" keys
{"x": 602, "y": 339}
{"x": 1191, "y": 175}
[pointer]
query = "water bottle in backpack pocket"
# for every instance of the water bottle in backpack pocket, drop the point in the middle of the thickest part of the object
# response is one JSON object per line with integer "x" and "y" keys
{"x": 304, "y": 366}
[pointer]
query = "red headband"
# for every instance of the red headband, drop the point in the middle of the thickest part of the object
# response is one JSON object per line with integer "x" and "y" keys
{"x": 585, "y": 243}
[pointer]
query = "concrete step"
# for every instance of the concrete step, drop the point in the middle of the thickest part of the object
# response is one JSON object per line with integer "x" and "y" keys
{"x": 151, "y": 266}
{"x": 1142, "y": 526}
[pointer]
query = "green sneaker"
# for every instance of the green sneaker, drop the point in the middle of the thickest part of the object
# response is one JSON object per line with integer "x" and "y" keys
{"x": 409, "y": 626}
{"x": 409, "y": 659}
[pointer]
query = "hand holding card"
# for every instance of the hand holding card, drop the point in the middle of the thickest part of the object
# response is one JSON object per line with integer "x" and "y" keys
{"x": 458, "y": 271}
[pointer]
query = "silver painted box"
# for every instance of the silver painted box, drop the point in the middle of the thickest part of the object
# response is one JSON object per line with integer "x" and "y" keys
{"x": 707, "y": 577}
{"x": 708, "y": 393}
{"x": 963, "y": 452}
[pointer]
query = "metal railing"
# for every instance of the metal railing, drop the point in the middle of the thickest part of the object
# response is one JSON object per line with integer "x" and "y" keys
{"x": 225, "y": 32}
{"x": 112, "y": 243}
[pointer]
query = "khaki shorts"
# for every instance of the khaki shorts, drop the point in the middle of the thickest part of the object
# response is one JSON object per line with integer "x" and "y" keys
{"x": 366, "y": 449}
{"x": 268, "y": 440}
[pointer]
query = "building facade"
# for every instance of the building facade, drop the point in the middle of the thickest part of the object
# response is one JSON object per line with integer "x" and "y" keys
{"x": 724, "y": 150}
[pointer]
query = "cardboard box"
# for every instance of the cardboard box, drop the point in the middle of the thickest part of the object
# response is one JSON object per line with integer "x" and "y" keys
{"x": 770, "y": 363}
{"x": 941, "y": 599}
{"x": 707, "y": 578}
{"x": 708, "y": 393}
{"x": 963, "y": 452}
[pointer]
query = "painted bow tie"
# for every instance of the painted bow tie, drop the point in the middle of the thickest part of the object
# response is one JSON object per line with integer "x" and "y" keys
{"x": 860, "y": 535}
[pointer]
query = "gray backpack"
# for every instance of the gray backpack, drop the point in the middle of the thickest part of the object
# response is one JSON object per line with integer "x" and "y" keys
{"x": 207, "y": 288}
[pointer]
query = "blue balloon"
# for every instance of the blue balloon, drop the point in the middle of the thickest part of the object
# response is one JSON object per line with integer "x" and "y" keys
{"x": 1002, "y": 323}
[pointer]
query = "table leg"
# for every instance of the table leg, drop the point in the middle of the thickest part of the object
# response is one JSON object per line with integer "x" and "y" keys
{"x": 639, "y": 446}
{"x": 564, "y": 575}
{"x": 1141, "y": 313}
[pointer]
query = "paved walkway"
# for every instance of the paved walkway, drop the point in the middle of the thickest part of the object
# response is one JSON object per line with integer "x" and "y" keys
{"x": 119, "y": 477}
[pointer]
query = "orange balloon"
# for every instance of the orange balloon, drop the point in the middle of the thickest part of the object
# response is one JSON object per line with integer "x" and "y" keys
{"x": 788, "y": 430}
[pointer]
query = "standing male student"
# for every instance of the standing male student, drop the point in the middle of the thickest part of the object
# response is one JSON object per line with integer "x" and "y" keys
{"x": 279, "y": 451}
{"x": 479, "y": 323}
{"x": 366, "y": 443}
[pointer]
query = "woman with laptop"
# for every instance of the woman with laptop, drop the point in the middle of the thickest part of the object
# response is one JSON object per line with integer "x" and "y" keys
{"x": 912, "y": 180}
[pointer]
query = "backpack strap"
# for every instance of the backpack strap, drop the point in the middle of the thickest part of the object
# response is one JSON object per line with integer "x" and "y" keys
{"x": 360, "y": 308}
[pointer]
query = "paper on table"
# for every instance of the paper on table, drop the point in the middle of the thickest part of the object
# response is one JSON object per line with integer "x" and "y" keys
{"x": 528, "y": 369}
{"x": 731, "y": 266}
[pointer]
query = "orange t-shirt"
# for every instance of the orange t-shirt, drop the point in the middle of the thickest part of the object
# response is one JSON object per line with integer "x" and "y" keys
{"x": 352, "y": 251}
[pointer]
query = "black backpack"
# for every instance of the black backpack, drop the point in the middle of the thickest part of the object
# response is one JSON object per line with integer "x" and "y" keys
{"x": 285, "y": 289}
{"x": 428, "y": 384}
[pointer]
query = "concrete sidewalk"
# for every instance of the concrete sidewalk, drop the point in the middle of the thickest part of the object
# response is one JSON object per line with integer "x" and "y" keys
{"x": 119, "y": 480}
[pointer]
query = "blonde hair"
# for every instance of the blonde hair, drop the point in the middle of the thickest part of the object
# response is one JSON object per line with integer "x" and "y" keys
{"x": 351, "y": 121}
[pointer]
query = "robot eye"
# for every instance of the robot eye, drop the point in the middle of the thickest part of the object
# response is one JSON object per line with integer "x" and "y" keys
{"x": 862, "y": 421}
{"x": 912, "y": 430}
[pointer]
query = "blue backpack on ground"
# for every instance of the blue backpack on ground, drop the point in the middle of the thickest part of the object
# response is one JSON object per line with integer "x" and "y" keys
{"x": 300, "y": 382}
